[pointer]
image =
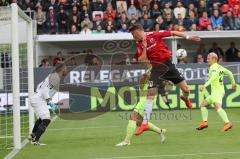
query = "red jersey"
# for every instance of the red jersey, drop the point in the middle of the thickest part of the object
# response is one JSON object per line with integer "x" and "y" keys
{"x": 157, "y": 50}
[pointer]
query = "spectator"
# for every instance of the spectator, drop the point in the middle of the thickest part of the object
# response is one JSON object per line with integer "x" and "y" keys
{"x": 72, "y": 62}
{"x": 155, "y": 12}
{"x": 146, "y": 23}
{"x": 98, "y": 30}
{"x": 97, "y": 21}
{"x": 54, "y": 5}
{"x": 216, "y": 49}
{"x": 124, "y": 29}
{"x": 232, "y": 53}
{"x": 86, "y": 23}
{"x": 167, "y": 11}
{"x": 215, "y": 7}
{"x": 133, "y": 19}
{"x": 109, "y": 29}
{"x": 27, "y": 6}
{"x": 85, "y": 2}
{"x": 109, "y": 23}
{"x": 52, "y": 18}
{"x": 237, "y": 22}
{"x": 63, "y": 3}
{"x": 62, "y": 21}
{"x": 41, "y": 19}
{"x": 169, "y": 19}
{"x": 92, "y": 59}
{"x": 4, "y": 3}
{"x": 161, "y": 23}
{"x": 224, "y": 9}
{"x": 123, "y": 20}
{"x": 171, "y": 27}
{"x": 44, "y": 63}
{"x": 145, "y": 11}
{"x": 235, "y": 7}
{"x": 229, "y": 22}
{"x": 142, "y": 3}
{"x": 193, "y": 27}
{"x": 156, "y": 27}
{"x": 74, "y": 29}
{"x": 58, "y": 59}
{"x": 136, "y": 3}
{"x": 155, "y": 2}
{"x": 6, "y": 60}
{"x": 84, "y": 12}
{"x": 98, "y": 5}
{"x": 121, "y": 6}
{"x": 191, "y": 8}
{"x": 85, "y": 29}
{"x": 133, "y": 11}
{"x": 204, "y": 22}
{"x": 202, "y": 7}
{"x": 216, "y": 21}
{"x": 109, "y": 12}
{"x": 74, "y": 12}
{"x": 202, "y": 50}
{"x": 74, "y": 21}
{"x": 76, "y": 3}
{"x": 221, "y": 60}
{"x": 178, "y": 23}
{"x": 179, "y": 10}
{"x": 200, "y": 59}
{"x": 188, "y": 22}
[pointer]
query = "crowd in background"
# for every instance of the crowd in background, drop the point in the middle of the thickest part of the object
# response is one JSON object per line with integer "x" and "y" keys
{"x": 89, "y": 58}
{"x": 232, "y": 54}
{"x": 111, "y": 16}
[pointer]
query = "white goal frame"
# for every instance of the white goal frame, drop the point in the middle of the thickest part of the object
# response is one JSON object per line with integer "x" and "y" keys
{"x": 16, "y": 12}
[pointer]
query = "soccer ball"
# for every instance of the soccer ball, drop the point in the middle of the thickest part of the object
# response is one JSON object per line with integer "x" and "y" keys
{"x": 181, "y": 54}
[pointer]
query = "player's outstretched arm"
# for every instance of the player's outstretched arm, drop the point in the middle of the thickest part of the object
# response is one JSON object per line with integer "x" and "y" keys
{"x": 230, "y": 77}
{"x": 188, "y": 37}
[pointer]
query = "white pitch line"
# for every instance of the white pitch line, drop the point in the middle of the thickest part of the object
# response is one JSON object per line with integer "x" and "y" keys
{"x": 172, "y": 155}
{"x": 115, "y": 126}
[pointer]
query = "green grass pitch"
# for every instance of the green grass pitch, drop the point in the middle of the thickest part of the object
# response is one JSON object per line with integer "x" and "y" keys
{"x": 95, "y": 138}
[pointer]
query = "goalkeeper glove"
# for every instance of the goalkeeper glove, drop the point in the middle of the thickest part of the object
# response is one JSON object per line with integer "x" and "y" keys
{"x": 52, "y": 107}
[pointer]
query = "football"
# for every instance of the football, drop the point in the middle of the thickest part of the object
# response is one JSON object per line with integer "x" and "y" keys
{"x": 181, "y": 54}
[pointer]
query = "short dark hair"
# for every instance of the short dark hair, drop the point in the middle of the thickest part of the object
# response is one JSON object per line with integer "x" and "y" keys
{"x": 135, "y": 27}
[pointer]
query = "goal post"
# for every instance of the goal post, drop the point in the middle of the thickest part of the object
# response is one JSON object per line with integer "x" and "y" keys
{"x": 17, "y": 76}
{"x": 16, "y": 12}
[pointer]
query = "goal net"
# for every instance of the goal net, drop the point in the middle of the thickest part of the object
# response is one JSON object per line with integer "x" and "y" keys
{"x": 16, "y": 77}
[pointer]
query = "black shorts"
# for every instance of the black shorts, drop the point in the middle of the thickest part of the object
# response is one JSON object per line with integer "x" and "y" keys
{"x": 164, "y": 71}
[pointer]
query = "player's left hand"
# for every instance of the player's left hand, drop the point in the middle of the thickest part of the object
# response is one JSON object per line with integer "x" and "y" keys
{"x": 202, "y": 88}
{"x": 194, "y": 38}
{"x": 234, "y": 87}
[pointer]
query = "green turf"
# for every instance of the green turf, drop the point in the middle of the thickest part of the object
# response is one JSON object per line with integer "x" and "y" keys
{"x": 95, "y": 138}
{"x": 6, "y": 127}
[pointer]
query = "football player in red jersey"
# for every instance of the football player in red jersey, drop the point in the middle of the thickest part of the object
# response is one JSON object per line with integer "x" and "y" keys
{"x": 152, "y": 48}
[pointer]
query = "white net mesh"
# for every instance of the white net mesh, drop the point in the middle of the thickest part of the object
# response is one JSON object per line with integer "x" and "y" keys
{"x": 6, "y": 99}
